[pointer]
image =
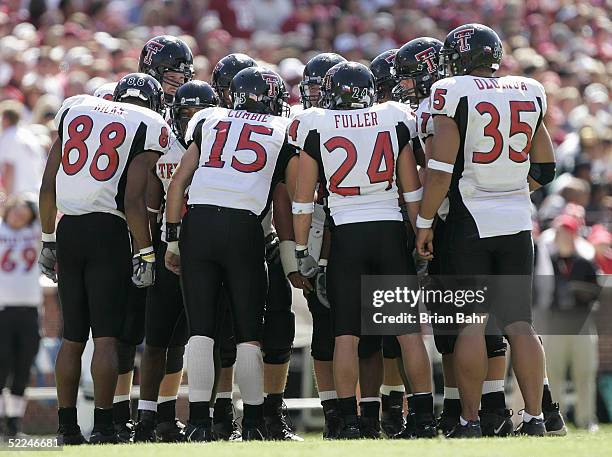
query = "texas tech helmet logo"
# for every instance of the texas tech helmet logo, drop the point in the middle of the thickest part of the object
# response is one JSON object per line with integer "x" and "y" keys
{"x": 273, "y": 85}
{"x": 153, "y": 47}
{"x": 463, "y": 37}
{"x": 428, "y": 57}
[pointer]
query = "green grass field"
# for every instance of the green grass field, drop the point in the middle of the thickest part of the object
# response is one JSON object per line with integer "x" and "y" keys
{"x": 576, "y": 444}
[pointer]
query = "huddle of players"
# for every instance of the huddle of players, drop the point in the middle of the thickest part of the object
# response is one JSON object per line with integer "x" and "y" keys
{"x": 235, "y": 159}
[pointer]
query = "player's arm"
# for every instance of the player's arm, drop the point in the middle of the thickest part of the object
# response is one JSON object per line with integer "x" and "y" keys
{"x": 181, "y": 178}
{"x": 155, "y": 192}
{"x": 135, "y": 202}
{"x": 542, "y": 159}
{"x": 409, "y": 182}
{"x": 302, "y": 208}
{"x": 445, "y": 146}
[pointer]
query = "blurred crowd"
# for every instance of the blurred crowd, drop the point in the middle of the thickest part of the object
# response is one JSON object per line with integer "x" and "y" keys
{"x": 54, "y": 49}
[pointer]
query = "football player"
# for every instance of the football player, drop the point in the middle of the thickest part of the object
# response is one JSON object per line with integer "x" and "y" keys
{"x": 235, "y": 159}
{"x": 416, "y": 68}
{"x": 365, "y": 211}
{"x": 487, "y": 165}
{"x": 96, "y": 176}
{"x": 224, "y": 72}
{"x": 166, "y": 326}
{"x": 322, "y": 347}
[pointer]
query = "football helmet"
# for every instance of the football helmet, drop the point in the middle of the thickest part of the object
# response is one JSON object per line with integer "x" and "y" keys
{"x": 348, "y": 85}
{"x": 381, "y": 67}
{"x": 224, "y": 72}
{"x": 105, "y": 91}
{"x": 140, "y": 89}
{"x": 417, "y": 61}
{"x": 166, "y": 53}
{"x": 193, "y": 94}
{"x": 468, "y": 47}
{"x": 314, "y": 71}
{"x": 259, "y": 90}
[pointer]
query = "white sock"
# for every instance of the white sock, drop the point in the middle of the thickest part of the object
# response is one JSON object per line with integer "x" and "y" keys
{"x": 545, "y": 381}
{"x": 249, "y": 373}
{"x": 224, "y": 395}
{"x": 166, "y": 399}
{"x": 493, "y": 386}
{"x": 211, "y": 412}
{"x": 386, "y": 389}
{"x": 527, "y": 417}
{"x": 147, "y": 405}
{"x": 1, "y": 405}
{"x": 370, "y": 400}
{"x": 462, "y": 421}
{"x": 15, "y": 406}
{"x": 328, "y": 395}
{"x": 451, "y": 393}
{"x": 201, "y": 377}
{"x": 120, "y": 398}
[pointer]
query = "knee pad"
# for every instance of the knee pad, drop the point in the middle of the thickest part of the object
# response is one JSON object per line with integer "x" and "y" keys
{"x": 391, "y": 347}
{"x": 279, "y": 332}
{"x": 125, "y": 357}
{"x": 174, "y": 359}
{"x": 369, "y": 345}
{"x": 496, "y": 346}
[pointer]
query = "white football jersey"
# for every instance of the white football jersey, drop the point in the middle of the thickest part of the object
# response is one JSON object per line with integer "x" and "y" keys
{"x": 497, "y": 118}
{"x": 424, "y": 122}
{"x": 357, "y": 151}
{"x": 242, "y": 156}
{"x": 19, "y": 272}
{"x": 99, "y": 140}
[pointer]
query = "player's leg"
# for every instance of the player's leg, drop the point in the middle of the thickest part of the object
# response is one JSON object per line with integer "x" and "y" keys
{"x": 393, "y": 388}
{"x": 370, "y": 380}
{"x": 495, "y": 419}
{"x": 553, "y": 419}
{"x": 169, "y": 429}
{"x": 279, "y": 332}
{"x": 27, "y": 337}
{"x": 247, "y": 281}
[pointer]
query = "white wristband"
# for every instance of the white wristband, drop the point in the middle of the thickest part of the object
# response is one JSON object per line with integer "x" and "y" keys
{"x": 152, "y": 210}
{"x": 287, "y": 256}
{"x": 414, "y": 196}
{"x": 173, "y": 247}
{"x": 302, "y": 208}
{"x": 440, "y": 166}
{"x": 322, "y": 262}
{"x": 48, "y": 237}
{"x": 423, "y": 223}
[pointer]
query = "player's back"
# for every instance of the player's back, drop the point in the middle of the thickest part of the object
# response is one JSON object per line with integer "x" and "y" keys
{"x": 241, "y": 154}
{"x": 358, "y": 150}
{"x": 497, "y": 118}
{"x": 99, "y": 140}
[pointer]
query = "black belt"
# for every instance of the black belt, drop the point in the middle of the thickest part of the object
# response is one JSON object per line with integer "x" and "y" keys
{"x": 244, "y": 212}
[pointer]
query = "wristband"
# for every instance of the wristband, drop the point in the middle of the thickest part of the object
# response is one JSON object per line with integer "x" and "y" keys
{"x": 173, "y": 247}
{"x": 287, "y": 256}
{"x": 423, "y": 223}
{"x": 414, "y": 196}
{"x": 48, "y": 237}
{"x": 151, "y": 210}
{"x": 440, "y": 166}
{"x": 147, "y": 254}
{"x": 302, "y": 208}
{"x": 301, "y": 251}
{"x": 173, "y": 230}
{"x": 323, "y": 263}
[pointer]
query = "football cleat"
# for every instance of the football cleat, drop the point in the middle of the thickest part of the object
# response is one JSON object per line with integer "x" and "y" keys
{"x": 535, "y": 427}
{"x": 446, "y": 423}
{"x": 553, "y": 421}
{"x": 333, "y": 422}
{"x": 144, "y": 432}
{"x": 278, "y": 427}
{"x": 170, "y": 431}
{"x": 496, "y": 423}
{"x": 70, "y": 436}
{"x": 253, "y": 431}
{"x": 227, "y": 429}
{"x": 125, "y": 431}
{"x": 392, "y": 418}
{"x": 199, "y": 433}
{"x": 350, "y": 431}
{"x": 104, "y": 435}
{"x": 369, "y": 428}
{"x": 470, "y": 430}
{"x": 425, "y": 427}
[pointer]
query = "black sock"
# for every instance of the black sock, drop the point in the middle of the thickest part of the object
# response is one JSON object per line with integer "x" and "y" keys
{"x": 67, "y": 416}
{"x": 547, "y": 403}
{"x": 329, "y": 405}
{"x": 146, "y": 415}
{"x": 103, "y": 418}
{"x": 452, "y": 407}
{"x": 223, "y": 410}
{"x": 392, "y": 401}
{"x": 348, "y": 406}
{"x": 13, "y": 424}
{"x": 199, "y": 413}
{"x": 121, "y": 412}
{"x": 273, "y": 404}
{"x": 253, "y": 414}
{"x": 422, "y": 405}
{"x": 370, "y": 409}
{"x": 493, "y": 401}
{"x": 166, "y": 411}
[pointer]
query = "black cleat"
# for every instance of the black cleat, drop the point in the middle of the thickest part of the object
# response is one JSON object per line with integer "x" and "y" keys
{"x": 496, "y": 423}
{"x": 333, "y": 423}
{"x": 446, "y": 423}
{"x": 349, "y": 429}
{"x": 253, "y": 431}
{"x": 535, "y": 427}
{"x": 125, "y": 431}
{"x": 227, "y": 429}
{"x": 553, "y": 421}
{"x": 170, "y": 431}
{"x": 199, "y": 433}
{"x": 369, "y": 427}
{"x": 70, "y": 436}
{"x": 392, "y": 421}
{"x": 409, "y": 430}
{"x": 144, "y": 432}
{"x": 470, "y": 430}
{"x": 278, "y": 428}
{"x": 104, "y": 435}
